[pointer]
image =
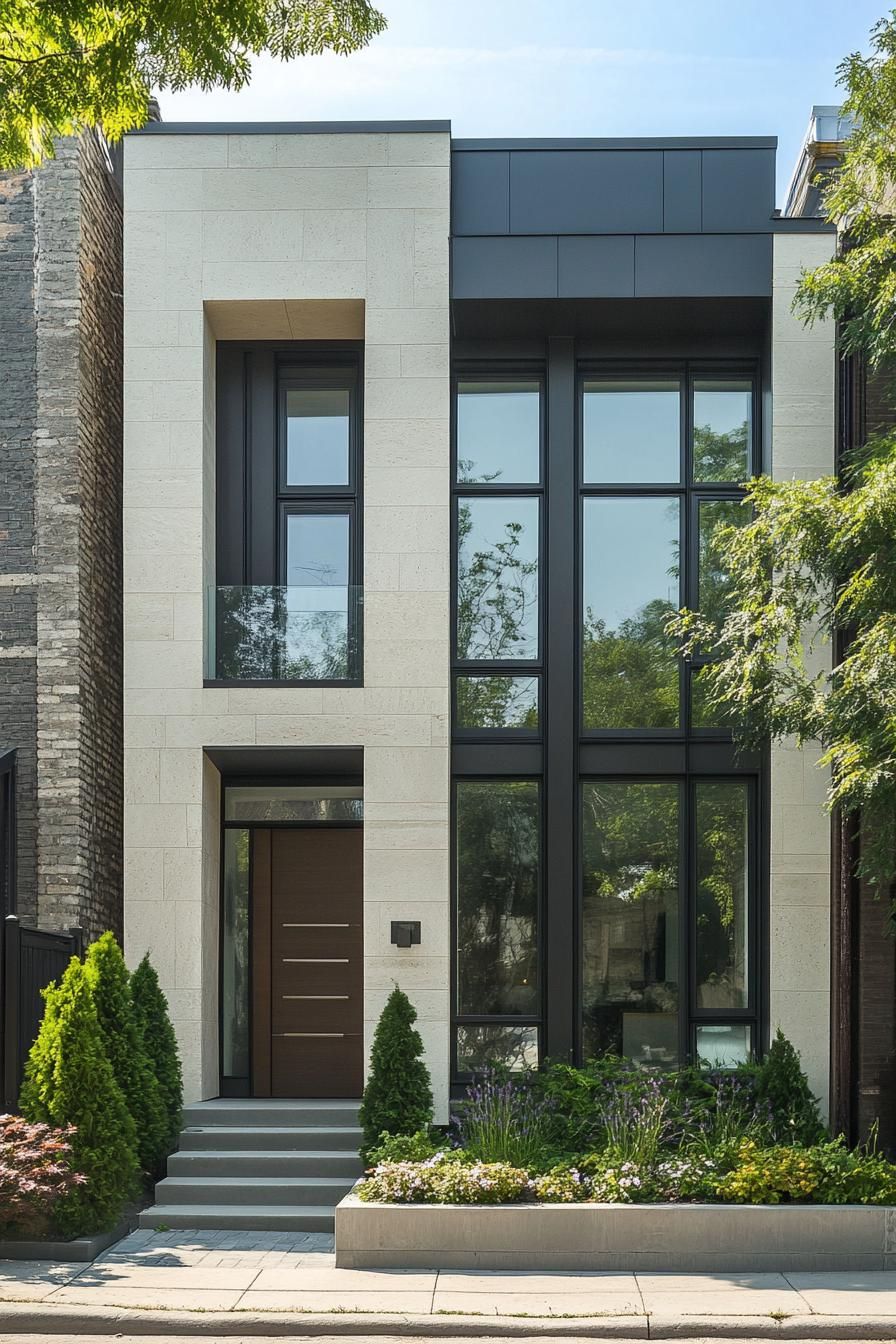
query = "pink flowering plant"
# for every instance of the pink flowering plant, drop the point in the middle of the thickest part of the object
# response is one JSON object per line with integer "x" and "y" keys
{"x": 445, "y": 1179}
{"x": 35, "y": 1173}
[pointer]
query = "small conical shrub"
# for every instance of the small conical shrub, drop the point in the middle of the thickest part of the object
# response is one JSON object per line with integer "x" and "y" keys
{"x": 133, "y": 1070}
{"x": 784, "y": 1087}
{"x": 69, "y": 1081}
{"x": 398, "y": 1095}
{"x": 160, "y": 1044}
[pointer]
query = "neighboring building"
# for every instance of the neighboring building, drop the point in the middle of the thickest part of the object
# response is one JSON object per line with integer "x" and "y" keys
{"x": 503, "y": 390}
{"x": 863, "y": 1047}
{"x": 60, "y": 541}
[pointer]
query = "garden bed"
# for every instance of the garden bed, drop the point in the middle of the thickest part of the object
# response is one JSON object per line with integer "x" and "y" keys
{"x": 77, "y": 1251}
{"x": 698, "y": 1238}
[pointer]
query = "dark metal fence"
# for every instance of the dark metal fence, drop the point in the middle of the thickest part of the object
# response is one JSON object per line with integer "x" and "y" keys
{"x": 29, "y": 960}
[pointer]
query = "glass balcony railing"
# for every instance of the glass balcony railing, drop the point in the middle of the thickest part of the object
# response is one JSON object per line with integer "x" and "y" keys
{"x": 278, "y": 633}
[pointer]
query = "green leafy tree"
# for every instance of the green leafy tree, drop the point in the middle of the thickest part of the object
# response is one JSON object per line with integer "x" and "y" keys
{"x": 160, "y": 1045}
{"x": 69, "y": 1081}
{"x": 858, "y": 286}
{"x": 82, "y": 63}
{"x": 134, "y": 1073}
{"x": 816, "y": 565}
{"x": 398, "y": 1095}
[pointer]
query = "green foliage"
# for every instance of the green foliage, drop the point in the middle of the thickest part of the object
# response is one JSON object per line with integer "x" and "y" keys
{"x": 858, "y": 286}
{"x": 133, "y": 1070}
{"x": 783, "y": 1087}
{"x": 398, "y": 1095}
{"x": 827, "y": 1173}
{"x": 69, "y": 1081}
{"x": 160, "y": 1045}
{"x": 417, "y": 1147}
{"x": 67, "y": 66}
{"x": 505, "y": 1119}
{"x": 817, "y": 560}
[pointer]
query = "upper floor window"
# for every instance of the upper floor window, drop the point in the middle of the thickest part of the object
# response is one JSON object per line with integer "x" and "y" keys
{"x": 498, "y": 451}
{"x": 296, "y": 615}
{"x": 663, "y": 461}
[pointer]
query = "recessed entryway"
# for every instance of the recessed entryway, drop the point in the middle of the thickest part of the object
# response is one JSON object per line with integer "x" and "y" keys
{"x": 292, "y": 980}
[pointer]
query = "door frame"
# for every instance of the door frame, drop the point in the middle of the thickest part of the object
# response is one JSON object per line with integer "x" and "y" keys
{"x": 242, "y": 1087}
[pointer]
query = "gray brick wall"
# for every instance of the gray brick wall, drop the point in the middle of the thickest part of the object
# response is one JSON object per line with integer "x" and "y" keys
{"x": 60, "y": 577}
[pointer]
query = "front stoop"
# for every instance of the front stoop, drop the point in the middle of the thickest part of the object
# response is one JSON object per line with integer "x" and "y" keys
{"x": 260, "y": 1165}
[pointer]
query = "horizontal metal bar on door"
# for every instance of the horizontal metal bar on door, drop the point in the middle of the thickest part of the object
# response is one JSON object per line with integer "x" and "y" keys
{"x": 315, "y": 926}
{"x": 317, "y": 961}
{"x": 315, "y": 997}
{"x": 316, "y": 1035}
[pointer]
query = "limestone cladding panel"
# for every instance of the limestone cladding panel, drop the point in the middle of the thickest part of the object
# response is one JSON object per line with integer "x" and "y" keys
{"x": 803, "y": 390}
{"x": 291, "y": 217}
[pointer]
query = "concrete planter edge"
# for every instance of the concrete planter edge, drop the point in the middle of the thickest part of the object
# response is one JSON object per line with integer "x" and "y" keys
{"x": 684, "y": 1238}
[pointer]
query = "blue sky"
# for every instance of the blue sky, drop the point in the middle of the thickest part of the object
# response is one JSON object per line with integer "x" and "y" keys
{"x": 572, "y": 67}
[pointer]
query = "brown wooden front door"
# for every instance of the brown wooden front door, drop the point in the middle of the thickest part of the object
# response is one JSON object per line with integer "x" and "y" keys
{"x": 307, "y": 968}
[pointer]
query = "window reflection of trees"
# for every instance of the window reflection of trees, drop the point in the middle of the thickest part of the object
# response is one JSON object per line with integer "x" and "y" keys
{"x": 497, "y": 585}
{"x": 497, "y": 896}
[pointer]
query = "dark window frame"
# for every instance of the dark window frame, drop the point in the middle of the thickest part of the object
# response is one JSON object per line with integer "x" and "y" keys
{"x": 683, "y": 755}
{"x": 510, "y": 371}
{"x": 688, "y": 492}
{"x": 292, "y": 364}
{"x": 497, "y": 1019}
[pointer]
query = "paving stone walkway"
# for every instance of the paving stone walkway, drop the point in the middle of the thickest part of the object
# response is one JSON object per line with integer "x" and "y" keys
{"x": 292, "y": 1272}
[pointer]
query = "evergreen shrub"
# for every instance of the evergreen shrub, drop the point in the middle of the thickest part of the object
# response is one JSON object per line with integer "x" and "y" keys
{"x": 160, "y": 1045}
{"x": 398, "y": 1095}
{"x": 69, "y": 1081}
{"x": 133, "y": 1070}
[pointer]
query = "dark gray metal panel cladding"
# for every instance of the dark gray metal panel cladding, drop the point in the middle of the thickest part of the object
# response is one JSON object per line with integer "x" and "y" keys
{"x": 682, "y": 205}
{"x": 703, "y": 265}
{"x": 670, "y": 266}
{"x": 586, "y": 191}
{"x": 598, "y": 268}
{"x": 480, "y": 193}
{"x": 504, "y": 268}
{"x": 738, "y": 189}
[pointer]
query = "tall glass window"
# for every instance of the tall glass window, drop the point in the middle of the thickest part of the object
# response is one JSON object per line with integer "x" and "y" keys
{"x": 722, "y": 884}
{"x": 631, "y": 588}
{"x": 588, "y": 496}
{"x": 630, "y": 919}
{"x": 497, "y": 578}
{"x": 235, "y": 968}
{"x": 498, "y": 840}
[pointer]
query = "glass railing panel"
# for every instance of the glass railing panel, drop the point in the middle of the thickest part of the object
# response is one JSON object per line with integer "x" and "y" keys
{"x": 269, "y": 632}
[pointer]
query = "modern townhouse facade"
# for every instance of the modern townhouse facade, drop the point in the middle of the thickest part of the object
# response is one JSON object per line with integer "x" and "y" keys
{"x": 424, "y": 439}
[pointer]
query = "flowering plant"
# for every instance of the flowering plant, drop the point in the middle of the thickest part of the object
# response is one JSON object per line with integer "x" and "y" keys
{"x": 443, "y": 1179}
{"x": 562, "y": 1185}
{"x": 504, "y": 1119}
{"x": 35, "y": 1172}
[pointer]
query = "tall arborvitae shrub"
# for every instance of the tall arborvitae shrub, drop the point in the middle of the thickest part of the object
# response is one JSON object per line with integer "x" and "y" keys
{"x": 134, "y": 1072}
{"x": 398, "y": 1095}
{"x": 160, "y": 1043}
{"x": 69, "y": 1081}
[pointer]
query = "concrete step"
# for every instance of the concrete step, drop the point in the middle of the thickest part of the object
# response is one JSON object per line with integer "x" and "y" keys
{"x": 284, "y": 1190}
{"x": 263, "y": 1163}
{"x": 247, "y": 1217}
{"x": 248, "y": 1112}
{"x": 291, "y": 1138}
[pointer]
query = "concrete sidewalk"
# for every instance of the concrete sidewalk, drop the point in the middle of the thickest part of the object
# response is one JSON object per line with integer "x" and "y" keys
{"x": 229, "y": 1283}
